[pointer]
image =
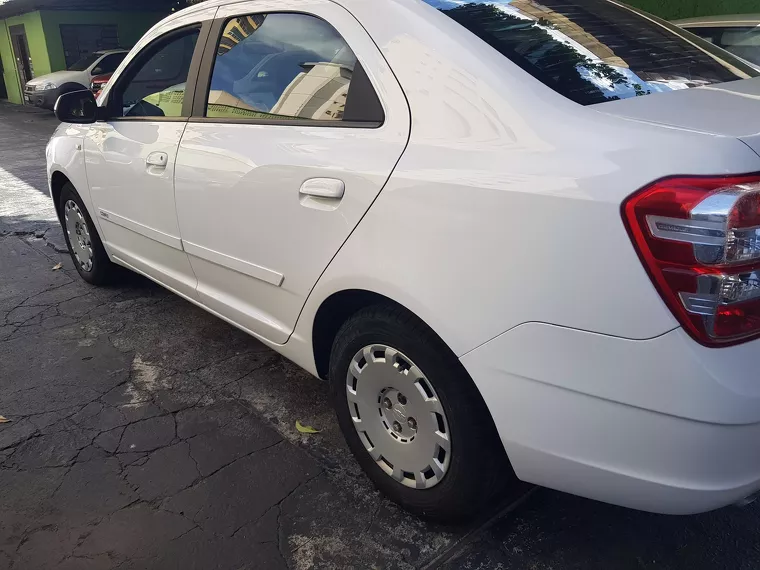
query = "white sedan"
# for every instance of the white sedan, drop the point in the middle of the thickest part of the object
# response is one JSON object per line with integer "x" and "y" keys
{"x": 516, "y": 237}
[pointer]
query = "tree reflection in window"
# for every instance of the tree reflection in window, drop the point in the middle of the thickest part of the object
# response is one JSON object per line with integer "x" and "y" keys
{"x": 592, "y": 51}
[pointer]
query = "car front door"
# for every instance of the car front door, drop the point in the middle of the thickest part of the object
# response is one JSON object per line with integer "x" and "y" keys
{"x": 130, "y": 156}
{"x": 295, "y": 130}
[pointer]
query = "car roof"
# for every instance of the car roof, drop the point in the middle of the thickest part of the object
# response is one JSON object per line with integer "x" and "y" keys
{"x": 198, "y": 7}
{"x": 731, "y": 20}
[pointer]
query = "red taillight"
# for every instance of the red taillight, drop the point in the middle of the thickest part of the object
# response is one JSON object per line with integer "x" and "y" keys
{"x": 699, "y": 239}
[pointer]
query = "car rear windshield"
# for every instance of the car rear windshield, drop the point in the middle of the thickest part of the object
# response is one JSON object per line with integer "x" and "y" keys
{"x": 593, "y": 51}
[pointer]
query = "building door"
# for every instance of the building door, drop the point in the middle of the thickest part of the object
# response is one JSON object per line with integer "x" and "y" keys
{"x": 81, "y": 40}
{"x": 3, "y": 90}
{"x": 21, "y": 54}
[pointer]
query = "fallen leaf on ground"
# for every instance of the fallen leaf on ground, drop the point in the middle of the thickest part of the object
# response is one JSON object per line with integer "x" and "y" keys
{"x": 57, "y": 267}
{"x": 306, "y": 429}
{"x": 4, "y": 420}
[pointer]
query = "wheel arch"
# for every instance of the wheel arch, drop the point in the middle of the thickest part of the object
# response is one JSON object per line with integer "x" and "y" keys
{"x": 57, "y": 181}
{"x": 341, "y": 305}
{"x": 70, "y": 86}
{"x": 332, "y": 313}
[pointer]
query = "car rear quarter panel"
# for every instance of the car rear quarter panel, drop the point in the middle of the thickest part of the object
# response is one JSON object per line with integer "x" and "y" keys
{"x": 505, "y": 207}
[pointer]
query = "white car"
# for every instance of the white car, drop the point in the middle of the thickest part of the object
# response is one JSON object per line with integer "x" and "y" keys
{"x": 43, "y": 91}
{"x": 517, "y": 237}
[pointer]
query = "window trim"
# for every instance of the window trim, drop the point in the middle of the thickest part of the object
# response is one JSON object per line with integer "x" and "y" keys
{"x": 147, "y": 52}
{"x": 206, "y": 70}
{"x": 287, "y": 122}
{"x": 730, "y": 24}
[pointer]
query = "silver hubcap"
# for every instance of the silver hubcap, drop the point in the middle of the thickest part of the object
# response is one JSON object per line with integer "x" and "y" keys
{"x": 79, "y": 235}
{"x": 398, "y": 416}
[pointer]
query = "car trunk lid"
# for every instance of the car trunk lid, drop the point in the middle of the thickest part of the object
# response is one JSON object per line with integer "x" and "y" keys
{"x": 728, "y": 109}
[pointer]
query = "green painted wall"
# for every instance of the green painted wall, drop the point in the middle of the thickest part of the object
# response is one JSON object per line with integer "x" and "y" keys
{"x": 674, "y": 9}
{"x": 37, "y": 51}
{"x": 43, "y": 34}
{"x": 10, "y": 78}
{"x": 132, "y": 26}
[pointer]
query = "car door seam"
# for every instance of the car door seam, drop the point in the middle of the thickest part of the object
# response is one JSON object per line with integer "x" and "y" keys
{"x": 390, "y": 174}
{"x": 239, "y": 265}
{"x": 174, "y": 191}
{"x": 146, "y": 231}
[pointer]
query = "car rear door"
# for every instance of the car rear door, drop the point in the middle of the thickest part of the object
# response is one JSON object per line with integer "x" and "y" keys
{"x": 297, "y": 125}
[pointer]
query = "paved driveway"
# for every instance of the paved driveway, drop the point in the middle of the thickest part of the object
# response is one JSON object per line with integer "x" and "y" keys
{"x": 145, "y": 433}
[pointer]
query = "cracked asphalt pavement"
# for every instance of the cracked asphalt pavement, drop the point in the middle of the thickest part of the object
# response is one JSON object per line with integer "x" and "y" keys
{"x": 146, "y": 433}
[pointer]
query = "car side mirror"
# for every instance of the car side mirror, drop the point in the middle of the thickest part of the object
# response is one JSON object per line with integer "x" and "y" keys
{"x": 97, "y": 71}
{"x": 77, "y": 107}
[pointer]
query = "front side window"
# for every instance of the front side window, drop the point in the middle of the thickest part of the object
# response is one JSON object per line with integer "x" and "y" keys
{"x": 741, "y": 41}
{"x": 593, "y": 51}
{"x": 156, "y": 86}
{"x": 280, "y": 66}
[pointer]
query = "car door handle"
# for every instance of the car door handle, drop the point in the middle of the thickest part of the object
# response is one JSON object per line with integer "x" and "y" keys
{"x": 324, "y": 188}
{"x": 160, "y": 159}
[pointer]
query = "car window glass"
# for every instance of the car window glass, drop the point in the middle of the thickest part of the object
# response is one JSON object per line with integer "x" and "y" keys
{"x": 85, "y": 62}
{"x": 704, "y": 33}
{"x": 744, "y": 42}
{"x": 157, "y": 87}
{"x": 109, "y": 63}
{"x": 593, "y": 51}
{"x": 280, "y": 66}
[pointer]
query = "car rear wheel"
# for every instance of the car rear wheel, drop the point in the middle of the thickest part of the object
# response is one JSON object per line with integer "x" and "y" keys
{"x": 412, "y": 416}
{"x": 87, "y": 252}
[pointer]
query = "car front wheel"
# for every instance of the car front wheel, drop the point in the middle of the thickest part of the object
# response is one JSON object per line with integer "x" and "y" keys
{"x": 90, "y": 258}
{"x": 412, "y": 416}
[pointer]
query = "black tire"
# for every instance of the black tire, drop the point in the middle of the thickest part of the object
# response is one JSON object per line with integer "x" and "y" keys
{"x": 478, "y": 464}
{"x": 103, "y": 270}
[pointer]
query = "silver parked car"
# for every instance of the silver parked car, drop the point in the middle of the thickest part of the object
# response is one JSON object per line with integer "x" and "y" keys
{"x": 739, "y": 34}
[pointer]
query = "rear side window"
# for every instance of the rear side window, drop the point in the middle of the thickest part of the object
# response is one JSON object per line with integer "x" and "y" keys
{"x": 593, "y": 51}
{"x": 741, "y": 41}
{"x": 281, "y": 66}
